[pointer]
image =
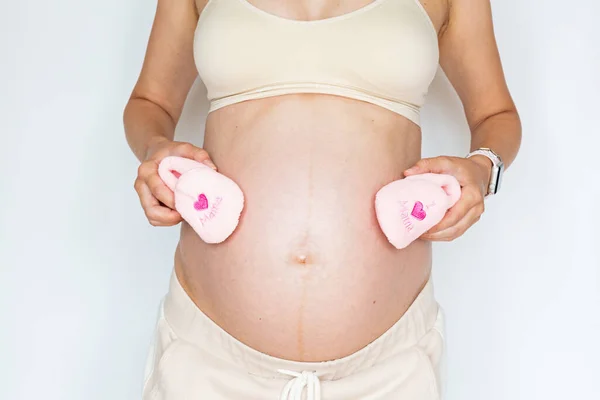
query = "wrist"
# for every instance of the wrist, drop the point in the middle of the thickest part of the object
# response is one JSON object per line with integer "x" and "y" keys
{"x": 485, "y": 166}
{"x": 154, "y": 141}
{"x": 493, "y": 174}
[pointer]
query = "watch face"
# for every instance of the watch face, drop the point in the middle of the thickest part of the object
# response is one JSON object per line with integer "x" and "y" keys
{"x": 499, "y": 174}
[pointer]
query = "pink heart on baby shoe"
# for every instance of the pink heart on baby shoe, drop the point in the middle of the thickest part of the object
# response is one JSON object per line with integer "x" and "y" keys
{"x": 202, "y": 203}
{"x": 418, "y": 212}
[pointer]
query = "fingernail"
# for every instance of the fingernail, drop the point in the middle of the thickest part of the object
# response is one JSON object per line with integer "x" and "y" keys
{"x": 210, "y": 164}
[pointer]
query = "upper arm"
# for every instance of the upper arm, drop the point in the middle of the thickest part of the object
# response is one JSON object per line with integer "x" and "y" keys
{"x": 469, "y": 57}
{"x": 168, "y": 70}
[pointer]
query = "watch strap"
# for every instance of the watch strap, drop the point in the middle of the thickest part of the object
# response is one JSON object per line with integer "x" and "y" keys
{"x": 497, "y": 168}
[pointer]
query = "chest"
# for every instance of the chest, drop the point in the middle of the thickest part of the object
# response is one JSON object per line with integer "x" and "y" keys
{"x": 303, "y": 10}
{"x": 386, "y": 47}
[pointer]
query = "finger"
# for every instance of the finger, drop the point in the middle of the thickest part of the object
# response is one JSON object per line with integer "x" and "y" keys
{"x": 160, "y": 191}
{"x": 188, "y": 150}
{"x": 458, "y": 229}
{"x": 437, "y": 165}
{"x": 147, "y": 200}
{"x": 454, "y": 214}
{"x": 156, "y": 214}
{"x": 469, "y": 198}
{"x": 162, "y": 216}
{"x": 147, "y": 168}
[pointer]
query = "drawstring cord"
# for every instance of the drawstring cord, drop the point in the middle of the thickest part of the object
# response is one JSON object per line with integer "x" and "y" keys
{"x": 306, "y": 379}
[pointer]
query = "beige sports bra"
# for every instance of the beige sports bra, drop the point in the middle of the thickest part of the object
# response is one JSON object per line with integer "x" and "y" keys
{"x": 385, "y": 53}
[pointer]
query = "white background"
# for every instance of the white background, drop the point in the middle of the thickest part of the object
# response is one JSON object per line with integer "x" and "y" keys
{"x": 82, "y": 271}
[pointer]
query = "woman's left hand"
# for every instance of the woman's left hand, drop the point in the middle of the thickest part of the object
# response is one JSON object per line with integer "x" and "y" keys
{"x": 473, "y": 174}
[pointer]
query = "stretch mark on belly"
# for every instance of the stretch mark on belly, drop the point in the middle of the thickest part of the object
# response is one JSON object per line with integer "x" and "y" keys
{"x": 310, "y": 182}
{"x": 300, "y": 333}
{"x": 303, "y": 256}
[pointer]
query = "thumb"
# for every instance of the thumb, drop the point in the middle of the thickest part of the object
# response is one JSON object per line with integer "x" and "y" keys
{"x": 208, "y": 162}
{"x": 436, "y": 165}
{"x": 200, "y": 155}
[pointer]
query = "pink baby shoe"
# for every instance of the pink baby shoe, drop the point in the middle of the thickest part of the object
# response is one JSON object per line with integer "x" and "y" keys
{"x": 209, "y": 201}
{"x": 409, "y": 207}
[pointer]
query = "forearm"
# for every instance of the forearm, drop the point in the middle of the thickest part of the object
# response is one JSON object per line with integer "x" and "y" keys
{"x": 501, "y": 133}
{"x": 145, "y": 123}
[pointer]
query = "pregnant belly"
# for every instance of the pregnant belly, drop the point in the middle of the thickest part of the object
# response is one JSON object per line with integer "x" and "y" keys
{"x": 307, "y": 275}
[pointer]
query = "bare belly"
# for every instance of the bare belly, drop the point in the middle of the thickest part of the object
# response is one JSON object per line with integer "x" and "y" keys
{"x": 307, "y": 275}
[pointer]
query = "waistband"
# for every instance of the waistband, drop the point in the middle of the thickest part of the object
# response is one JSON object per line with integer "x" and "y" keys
{"x": 189, "y": 323}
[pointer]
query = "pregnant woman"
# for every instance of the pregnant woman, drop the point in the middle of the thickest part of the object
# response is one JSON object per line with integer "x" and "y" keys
{"x": 314, "y": 106}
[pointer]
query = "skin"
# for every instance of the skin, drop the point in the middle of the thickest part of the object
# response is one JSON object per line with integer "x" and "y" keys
{"x": 305, "y": 239}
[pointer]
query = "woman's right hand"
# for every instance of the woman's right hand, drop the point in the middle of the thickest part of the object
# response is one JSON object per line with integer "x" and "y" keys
{"x": 156, "y": 198}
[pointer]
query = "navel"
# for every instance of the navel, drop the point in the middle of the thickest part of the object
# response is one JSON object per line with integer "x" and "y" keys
{"x": 303, "y": 252}
{"x": 303, "y": 258}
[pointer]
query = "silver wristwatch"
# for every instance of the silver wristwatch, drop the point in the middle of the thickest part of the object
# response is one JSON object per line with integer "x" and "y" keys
{"x": 497, "y": 168}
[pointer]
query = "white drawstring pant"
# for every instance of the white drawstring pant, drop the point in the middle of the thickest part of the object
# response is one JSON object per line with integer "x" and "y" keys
{"x": 294, "y": 388}
{"x": 193, "y": 358}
